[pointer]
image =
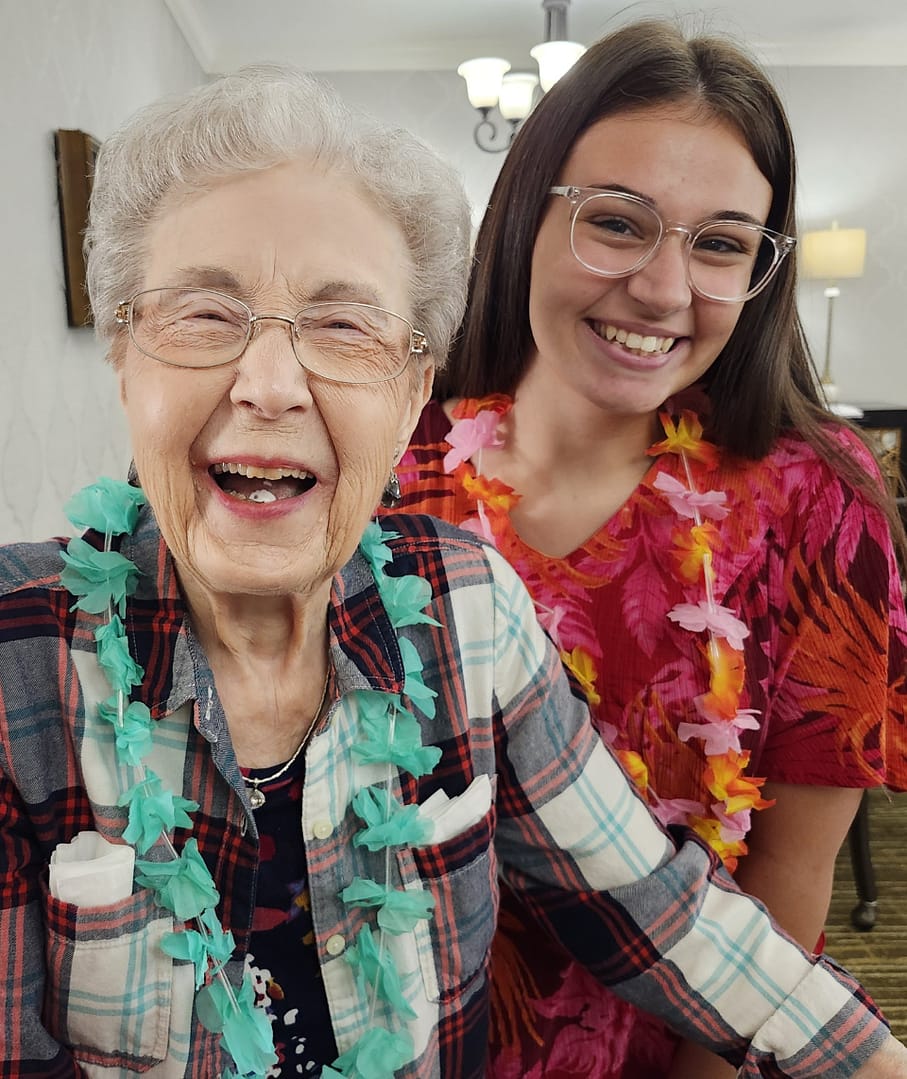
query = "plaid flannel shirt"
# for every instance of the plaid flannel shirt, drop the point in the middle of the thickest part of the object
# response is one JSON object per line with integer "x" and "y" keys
{"x": 88, "y": 991}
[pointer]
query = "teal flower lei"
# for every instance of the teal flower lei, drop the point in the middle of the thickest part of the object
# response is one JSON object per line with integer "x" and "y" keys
{"x": 181, "y": 882}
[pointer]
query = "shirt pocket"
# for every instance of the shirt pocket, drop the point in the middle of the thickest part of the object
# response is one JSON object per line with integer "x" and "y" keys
{"x": 109, "y": 983}
{"x": 461, "y": 875}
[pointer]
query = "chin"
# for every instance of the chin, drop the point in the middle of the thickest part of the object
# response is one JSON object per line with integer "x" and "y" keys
{"x": 251, "y": 570}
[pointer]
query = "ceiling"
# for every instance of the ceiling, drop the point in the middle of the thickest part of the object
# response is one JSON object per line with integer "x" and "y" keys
{"x": 367, "y": 35}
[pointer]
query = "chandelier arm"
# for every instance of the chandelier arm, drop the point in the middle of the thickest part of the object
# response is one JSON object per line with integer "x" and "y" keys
{"x": 492, "y": 139}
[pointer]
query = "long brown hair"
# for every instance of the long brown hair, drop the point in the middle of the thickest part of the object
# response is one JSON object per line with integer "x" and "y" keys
{"x": 763, "y": 381}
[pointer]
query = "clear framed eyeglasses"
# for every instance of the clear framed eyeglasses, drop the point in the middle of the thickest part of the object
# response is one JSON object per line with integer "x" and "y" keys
{"x": 615, "y": 234}
{"x": 353, "y": 343}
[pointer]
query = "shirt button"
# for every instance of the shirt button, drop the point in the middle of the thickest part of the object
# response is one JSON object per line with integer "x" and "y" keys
{"x": 335, "y": 945}
{"x": 321, "y": 829}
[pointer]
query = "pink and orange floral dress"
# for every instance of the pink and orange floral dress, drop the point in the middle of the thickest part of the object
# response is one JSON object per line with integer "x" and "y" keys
{"x": 808, "y": 567}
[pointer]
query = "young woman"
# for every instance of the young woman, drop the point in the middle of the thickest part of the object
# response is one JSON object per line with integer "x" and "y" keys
{"x": 630, "y": 414}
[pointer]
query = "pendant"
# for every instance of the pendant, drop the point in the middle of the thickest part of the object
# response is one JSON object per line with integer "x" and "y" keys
{"x": 256, "y": 798}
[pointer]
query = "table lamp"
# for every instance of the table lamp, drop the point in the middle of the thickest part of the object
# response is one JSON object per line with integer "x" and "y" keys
{"x": 831, "y": 255}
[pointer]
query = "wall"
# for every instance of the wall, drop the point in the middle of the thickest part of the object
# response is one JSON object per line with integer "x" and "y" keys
{"x": 59, "y": 421}
{"x": 848, "y": 126}
{"x": 84, "y": 64}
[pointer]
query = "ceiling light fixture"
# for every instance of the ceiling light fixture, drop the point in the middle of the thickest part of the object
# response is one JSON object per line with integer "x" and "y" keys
{"x": 490, "y": 83}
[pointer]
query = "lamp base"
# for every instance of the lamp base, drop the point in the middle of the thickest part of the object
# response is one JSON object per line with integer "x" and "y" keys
{"x": 830, "y": 390}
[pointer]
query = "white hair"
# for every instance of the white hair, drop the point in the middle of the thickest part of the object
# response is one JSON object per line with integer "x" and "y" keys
{"x": 261, "y": 116}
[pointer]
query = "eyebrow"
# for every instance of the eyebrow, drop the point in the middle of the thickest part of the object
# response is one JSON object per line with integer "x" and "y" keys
{"x": 205, "y": 277}
{"x": 216, "y": 277}
{"x": 352, "y": 291}
{"x": 718, "y": 215}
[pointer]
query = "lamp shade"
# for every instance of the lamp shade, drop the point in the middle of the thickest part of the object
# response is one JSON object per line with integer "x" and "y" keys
{"x": 483, "y": 80}
{"x": 832, "y": 254}
{"x": 555, "y": 58}
{"x": 517, "y": 91}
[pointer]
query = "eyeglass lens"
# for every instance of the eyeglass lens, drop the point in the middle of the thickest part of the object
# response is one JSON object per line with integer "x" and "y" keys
{"x": 344, "y": 342}
{"x": 614, "y": 235}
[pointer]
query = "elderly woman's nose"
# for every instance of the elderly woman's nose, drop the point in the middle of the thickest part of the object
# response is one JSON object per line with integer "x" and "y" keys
{"x": 269, "y": 377}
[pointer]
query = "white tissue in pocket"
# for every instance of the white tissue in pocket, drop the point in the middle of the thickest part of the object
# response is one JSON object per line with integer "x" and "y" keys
{"x": 452, "y": 816}
{"x": 91, "y": 872}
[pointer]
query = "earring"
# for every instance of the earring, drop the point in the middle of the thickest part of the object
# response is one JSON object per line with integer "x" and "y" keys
{"x": 391, "y": 496}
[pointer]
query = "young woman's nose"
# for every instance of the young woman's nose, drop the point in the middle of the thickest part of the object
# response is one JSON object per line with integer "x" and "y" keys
{"x": 663, "y": 284}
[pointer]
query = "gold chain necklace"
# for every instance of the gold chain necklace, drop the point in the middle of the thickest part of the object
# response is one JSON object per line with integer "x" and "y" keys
{"x": 256, "y": 795}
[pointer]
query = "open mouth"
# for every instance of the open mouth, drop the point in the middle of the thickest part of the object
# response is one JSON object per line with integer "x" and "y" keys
{"x": 634, "y": 342}
{"x": 249, "y": 483}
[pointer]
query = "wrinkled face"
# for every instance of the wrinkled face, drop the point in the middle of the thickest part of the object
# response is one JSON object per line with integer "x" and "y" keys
{"x": 626, "y": 344}
{"x": 208, "y": 442}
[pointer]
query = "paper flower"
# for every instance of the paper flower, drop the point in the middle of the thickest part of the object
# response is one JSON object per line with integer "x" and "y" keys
{"x": 710, "y": 829}
{"x": 108, "y": 506}
{"x": 725, "y": 780}
{"x": 388, "y": 823}
{"x": 718, "y": 620}
{"x": 378, "y": 1054}
{"x": 635, "y": 767}
{"x": 99, "y": 578}
{"x": 132, "y": 730}
{"x": 398, "y": 909}
{"x": 722, "y": 736}
{"x": 580, "y": 664}
{"x": 468, "y": 436}
{"x": 726, "y": 676}
{"x": 693, "y": 551}
{"x": 685, "y": 438}
{"x": 734, "y": 826}
{"x": 469, "y": 407}
{"x": 208, "y": 951}
{"x": 496, "y": 495}
{"x": 674, "y": 810}
{"x": 418, "y": 692}
{"x": 398, "y": 741}
{"x": 687, "y": 503}
{"x": 404, "y": 599}
{"x": 114, "y": 658}
{"x": 244, "y": 1028}
{"x": 183, "y": 885}
{"x": 247, "y": 1034}
{"x": 480, "y": 526}
{"x": 152, "y": 810}
{"x": 374, "y": 548}
{"x": 374, "y": 966}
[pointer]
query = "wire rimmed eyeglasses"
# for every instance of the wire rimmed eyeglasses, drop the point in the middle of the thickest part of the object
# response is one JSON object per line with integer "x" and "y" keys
{"x": 615, "y": 234}
{"x": 352, "y": 343}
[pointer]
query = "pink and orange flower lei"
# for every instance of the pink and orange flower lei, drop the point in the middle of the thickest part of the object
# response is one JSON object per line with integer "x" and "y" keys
{"x": 725, "y": 823}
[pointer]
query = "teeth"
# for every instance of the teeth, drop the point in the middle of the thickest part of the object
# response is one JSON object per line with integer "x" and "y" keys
{"x": 635, "y": 341}
{"x": 256, "y": 473}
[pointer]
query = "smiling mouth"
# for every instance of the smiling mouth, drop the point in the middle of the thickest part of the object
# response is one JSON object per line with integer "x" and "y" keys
{"x": 634, "y": 342}
{"x": 249, "y": 483}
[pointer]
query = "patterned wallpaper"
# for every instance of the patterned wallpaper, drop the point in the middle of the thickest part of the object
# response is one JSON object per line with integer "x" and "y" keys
{"x": 89, "y": 63}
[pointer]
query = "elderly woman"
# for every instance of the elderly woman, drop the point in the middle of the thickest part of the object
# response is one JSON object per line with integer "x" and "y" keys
{"x": 262, "y": 761}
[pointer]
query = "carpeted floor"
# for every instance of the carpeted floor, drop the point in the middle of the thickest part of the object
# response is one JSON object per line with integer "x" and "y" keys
{"x": 877, "y": 958}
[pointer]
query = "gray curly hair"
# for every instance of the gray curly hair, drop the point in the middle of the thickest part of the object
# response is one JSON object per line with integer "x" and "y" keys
{"x": 258, "y": 117}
